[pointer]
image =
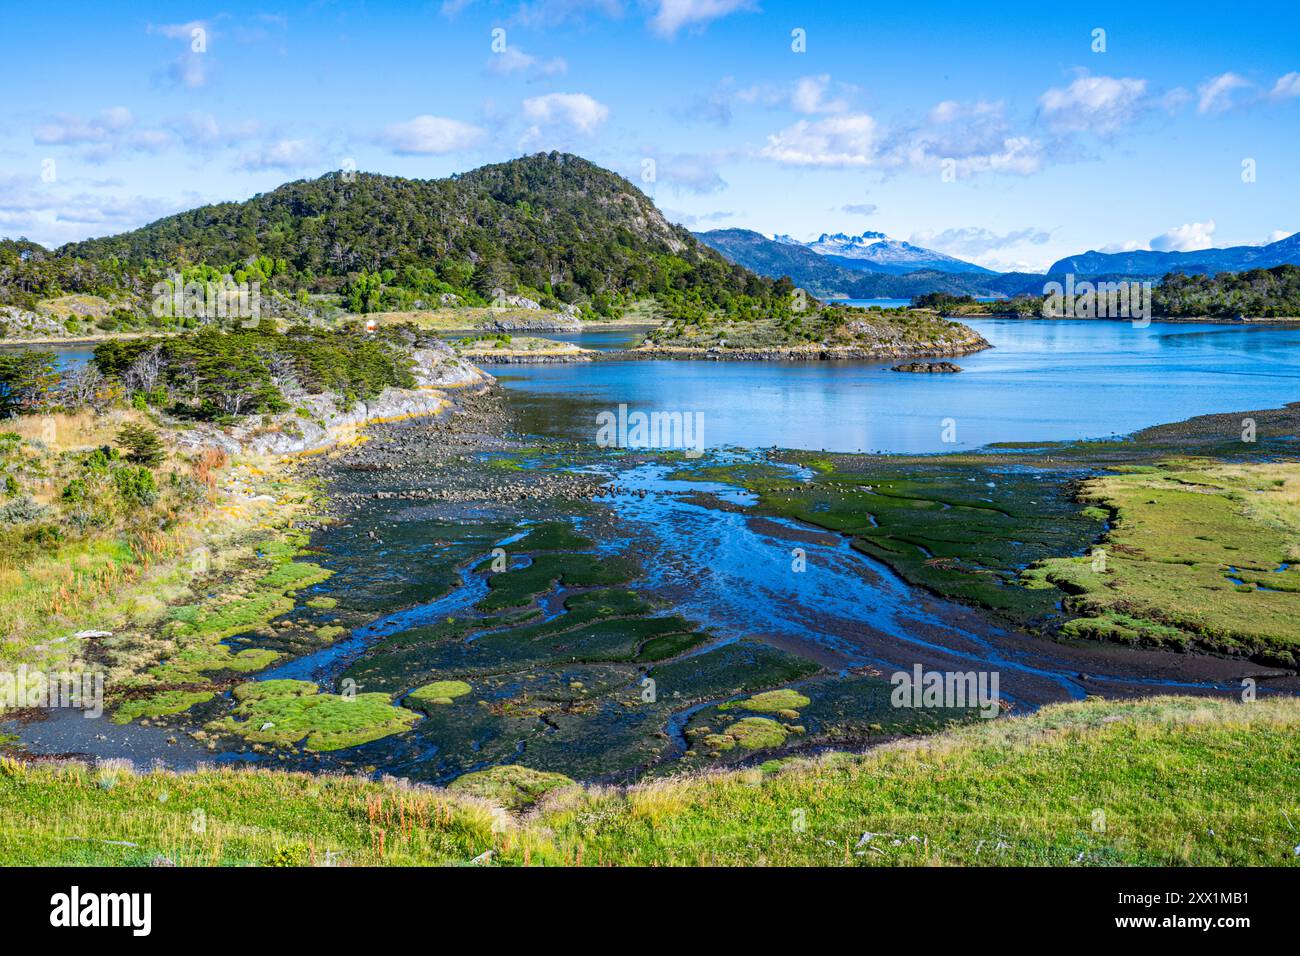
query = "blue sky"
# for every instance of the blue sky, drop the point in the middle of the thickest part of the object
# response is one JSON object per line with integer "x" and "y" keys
{"x": 994, "y": 132}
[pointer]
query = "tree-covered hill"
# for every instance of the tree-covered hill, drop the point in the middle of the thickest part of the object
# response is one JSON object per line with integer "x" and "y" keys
{"x": 552, "y": 224}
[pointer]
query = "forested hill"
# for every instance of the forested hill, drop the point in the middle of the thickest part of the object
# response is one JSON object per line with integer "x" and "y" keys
{"x": 552, "y": 222}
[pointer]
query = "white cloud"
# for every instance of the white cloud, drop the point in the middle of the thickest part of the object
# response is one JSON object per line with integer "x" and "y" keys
{"x": 673, "y": 15}
{"x": 847, "y": 140}
{"x": 1277, "y": 235}
{"x": 283, "y": 154}
{"x": 430, "y": 134}
{"x": 1189, "y": 237}
{"x": 860, "y": 208}
{"x": 686, "y": 172}
{"x": 975, "y": 241}
{"x": 203, "y": 132}
{"x": 67, "y": 130}
{"x": 101, "y": 136}
{"x": 1128, "y": 245}
{"x": 576, "y": 110}
{"x": 548, "y": 13}
{"x": 53, "y": 214}
{"x": 514, "y": 60}
{"x": 1216, "y": 92}
{"x": 809, "y": 96}
{"x": 1094, "y": 104}
{"x": 973, "y": 137}
{"x": 189, "y": 70}
{"x": 691, "y": 220}
{"x": 180, "y": 31}
{"x": 1287, "y": 87}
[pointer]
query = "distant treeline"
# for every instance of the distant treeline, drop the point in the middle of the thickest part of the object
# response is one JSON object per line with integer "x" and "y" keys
{"x": 1258, "y": 293}
{"x": 1262, "y": 293}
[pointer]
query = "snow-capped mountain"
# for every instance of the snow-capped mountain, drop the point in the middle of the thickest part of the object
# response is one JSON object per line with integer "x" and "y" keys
{"x": 877, "y": 252}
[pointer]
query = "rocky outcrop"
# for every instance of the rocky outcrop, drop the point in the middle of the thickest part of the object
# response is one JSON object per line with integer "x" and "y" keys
{"x": 501, "y": 300}
{"x": 437, "y": 370}
{"x": 545, "y": 322}
{"x": 926, "y": 367}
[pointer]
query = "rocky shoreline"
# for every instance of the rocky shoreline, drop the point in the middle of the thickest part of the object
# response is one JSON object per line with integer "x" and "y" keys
{"x": 811, "y": 353}
{"x": 437, "y": 370}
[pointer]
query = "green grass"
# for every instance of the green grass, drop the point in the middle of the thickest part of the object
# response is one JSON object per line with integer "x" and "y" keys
{"x": 1160, "y": 781}
{"x": 1180, "y": 535}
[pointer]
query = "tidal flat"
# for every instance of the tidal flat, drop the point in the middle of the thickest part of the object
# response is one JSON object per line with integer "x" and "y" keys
{"x": 483, "y": 598}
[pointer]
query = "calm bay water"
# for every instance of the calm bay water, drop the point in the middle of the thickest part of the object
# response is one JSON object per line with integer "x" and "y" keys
{"x": 1042, "y": 381}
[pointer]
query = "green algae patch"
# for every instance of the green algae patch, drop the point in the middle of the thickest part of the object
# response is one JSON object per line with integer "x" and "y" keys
{"x": 439, "y": 693}
{"x": 757, "y": 733}
{"x": 288, "y": 712}
{"x": 160, "y": 704}
{"x": 771, "y": 701}
{"x": 510, "y": 785}
{"x": 520, "y": 586}
{"x": 294, "y": 575}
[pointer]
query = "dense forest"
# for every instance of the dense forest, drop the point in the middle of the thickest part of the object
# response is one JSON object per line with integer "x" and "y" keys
{"x": 552, "y": 226}
{"x": 1262, "y": 293}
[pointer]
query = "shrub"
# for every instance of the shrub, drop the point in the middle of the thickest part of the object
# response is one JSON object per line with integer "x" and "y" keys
{"x": 76, "y": 491}
{"x": 135, "y": 484}
{"x": 21, "y": 511}
{"x": 142, "y": 445}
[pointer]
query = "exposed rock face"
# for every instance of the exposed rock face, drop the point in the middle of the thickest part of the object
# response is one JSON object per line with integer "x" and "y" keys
{"x": 926, "y": 367}
{"x": 502, "y": 300}
{"x": 17, "y": 323}
{"x": 437, "y": 369}
{"x": 544, "y": 322}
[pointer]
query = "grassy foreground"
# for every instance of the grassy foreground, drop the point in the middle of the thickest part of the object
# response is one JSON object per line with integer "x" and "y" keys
{"x": 1162, "y": 781}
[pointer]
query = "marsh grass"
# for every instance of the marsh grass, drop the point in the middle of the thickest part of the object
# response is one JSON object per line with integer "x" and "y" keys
{"x": 1158, "y": 781}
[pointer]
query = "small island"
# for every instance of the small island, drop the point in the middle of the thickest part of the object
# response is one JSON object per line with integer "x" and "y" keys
{"x": 932, "y": 367}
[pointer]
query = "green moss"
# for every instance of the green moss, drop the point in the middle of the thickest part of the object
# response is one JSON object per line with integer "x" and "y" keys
{"x": 757, "y": 733}
{"x": 262, "y": 689}
{"x": 323, "y": 603}
{"x": 771, "y": 701}
{"x": 439, "y": 693}
{"x": 330, "y": 632}
{"x": 159, "y": 705}
{"x": 289, "y": 712}
{"x": 294, "y": 575}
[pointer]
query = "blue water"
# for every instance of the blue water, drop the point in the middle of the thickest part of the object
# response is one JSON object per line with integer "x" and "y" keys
{"x": 65, "y": 356}
{"x": 892, "y": 303}
{"x": 1043, "y": 381}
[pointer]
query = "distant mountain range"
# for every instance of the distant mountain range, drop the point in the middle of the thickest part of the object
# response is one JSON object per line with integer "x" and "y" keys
{"x": 873, "y": 266}
{"x": 1203, "y": 262}
{"x": 876, "y": 252}
{"x": 855, "y": 276}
